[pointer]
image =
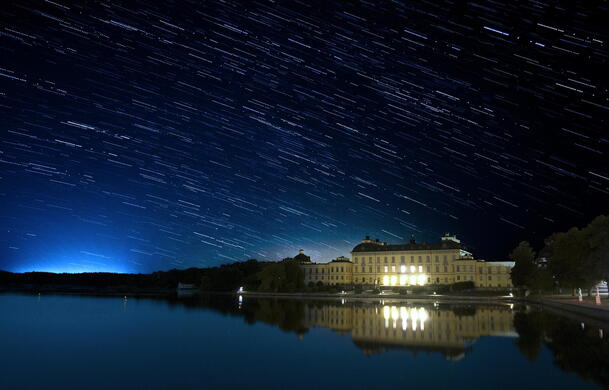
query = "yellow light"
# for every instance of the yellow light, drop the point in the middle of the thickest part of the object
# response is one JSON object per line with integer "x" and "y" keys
{"x": 386, "y": 312}
{"x": 412, "y": 268}
{"x": 421, "y": 279}
{"x": 395, "y": 314}
{"x": 394, "y": 280}
{"x": 413, "y": 279}
{"x": 403, "y": 280}
{"x": 386, "y": 280}
{"x": 402, "y": 268}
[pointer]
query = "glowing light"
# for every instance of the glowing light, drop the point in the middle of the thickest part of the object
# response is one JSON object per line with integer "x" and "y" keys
{"x": 386, "y": 312}
{"x": 413, "y": 268}
{"x": 394, "y": 280}
{"x": 413, "y": 280}
{"x": 386, "y": 280}
{"x": 402, "y": 268}
{"x": 421, "y": 279}
{"x": 403, "y": 280}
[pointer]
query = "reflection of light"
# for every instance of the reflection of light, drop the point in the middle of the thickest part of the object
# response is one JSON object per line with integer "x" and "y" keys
{"x": 386, "y": 312}
{"x": 394, "y": 313}
{"x": 417, "y": 316}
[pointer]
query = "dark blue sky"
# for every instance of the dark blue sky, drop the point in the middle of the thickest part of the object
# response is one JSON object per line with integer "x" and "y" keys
{"x": 139, "y": 136}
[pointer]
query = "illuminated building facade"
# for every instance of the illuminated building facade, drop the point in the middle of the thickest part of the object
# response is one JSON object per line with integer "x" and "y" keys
{"x": 376, "y": 263}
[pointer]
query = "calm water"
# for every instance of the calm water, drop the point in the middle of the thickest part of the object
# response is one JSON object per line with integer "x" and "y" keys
{"x": 216, "y": 342}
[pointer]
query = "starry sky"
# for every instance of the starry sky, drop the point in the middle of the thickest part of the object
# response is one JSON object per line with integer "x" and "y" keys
{"x": 148, "y": 135}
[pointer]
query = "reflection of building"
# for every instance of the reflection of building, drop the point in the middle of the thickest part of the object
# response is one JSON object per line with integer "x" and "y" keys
{"x": 450, "y": 331}
{"x": 414, "y": 264}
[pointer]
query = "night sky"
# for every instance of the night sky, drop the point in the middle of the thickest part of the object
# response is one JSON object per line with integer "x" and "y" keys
{"x": 140, "y": 135}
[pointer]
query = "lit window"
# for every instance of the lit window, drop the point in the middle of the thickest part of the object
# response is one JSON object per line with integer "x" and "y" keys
{"x": 403, "y": 280}
{"x": 420, "y": 268}
{"x": 412, "y": 268}
{"x": 402, "y": 268}
{"x": 386, "y": 268}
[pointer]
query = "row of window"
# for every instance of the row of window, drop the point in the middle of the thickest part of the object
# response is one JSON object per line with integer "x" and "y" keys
{"x": 403, "y": 259}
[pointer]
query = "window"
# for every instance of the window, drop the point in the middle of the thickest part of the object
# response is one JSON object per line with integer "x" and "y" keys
{"x": 437, "y": 268}
{"x": 412, "y": 259}
{"x": 363, "y": 268}
{"x": 378, "y": 260}
{"x": 454, "y": 257}
{"x": 445, "y": 268}
{"x": 490, "y": 277}
{"x": 401, "y": 259}
{"x": 355, "y": 260}
{"x": 445, "y": 259}
{"x": 412, "y": 268}
{"x": 402, "y": 268}
{"x": 393, "y": 268}
{"x": 428, "y": 259}
{"x": 385, "y": 259}
{"x": 458, "y": 277}
{"x": 437, "y": 258}
{"x": 458, "y": 269}
{"x": 393, "y": 259}
{"x": 429, "y": 268}
{"x": 420, "y": 259}
{"x": 420, "y": 268}
{"x": 370, "y": 269}
{"x": 386, "y": 268}
{"x": 378, "y": 268}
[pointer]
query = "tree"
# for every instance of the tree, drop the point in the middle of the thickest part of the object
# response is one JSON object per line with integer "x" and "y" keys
{"x": 524, "y": 268}
{"x": 569, "y": 259}
{"x": 596, "y": 235}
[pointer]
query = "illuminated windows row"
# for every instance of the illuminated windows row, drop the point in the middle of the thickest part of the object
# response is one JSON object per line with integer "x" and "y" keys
{"x": 404, "y": 280}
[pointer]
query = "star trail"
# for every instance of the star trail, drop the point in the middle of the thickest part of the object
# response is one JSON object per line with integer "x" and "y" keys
{"x": 139, "y": 136}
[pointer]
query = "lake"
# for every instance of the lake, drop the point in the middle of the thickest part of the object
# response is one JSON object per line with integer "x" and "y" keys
{"x": 222, "y": 341}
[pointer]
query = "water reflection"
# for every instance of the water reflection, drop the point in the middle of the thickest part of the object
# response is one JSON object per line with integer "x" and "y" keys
{"x": 449, "y": 329}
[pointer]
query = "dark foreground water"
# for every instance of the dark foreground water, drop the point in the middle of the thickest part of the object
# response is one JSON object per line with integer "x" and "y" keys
{"x": 78, "y": 342}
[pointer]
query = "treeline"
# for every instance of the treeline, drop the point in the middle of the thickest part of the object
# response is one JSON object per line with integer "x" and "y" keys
{"x": 582, "y": 350}
{"x": 253, "y": 275}
{"x": 577, "y": 258}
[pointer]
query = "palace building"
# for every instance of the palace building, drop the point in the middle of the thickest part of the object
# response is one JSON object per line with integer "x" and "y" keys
{"x": 376, "y": 263}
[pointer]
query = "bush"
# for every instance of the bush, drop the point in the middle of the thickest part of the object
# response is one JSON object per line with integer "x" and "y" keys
{"x": 460, "y": 286}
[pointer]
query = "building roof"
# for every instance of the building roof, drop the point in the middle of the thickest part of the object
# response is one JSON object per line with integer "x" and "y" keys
{"x": 302, "y": 258}
{"x": 411, "y": 246}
